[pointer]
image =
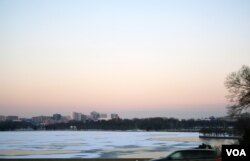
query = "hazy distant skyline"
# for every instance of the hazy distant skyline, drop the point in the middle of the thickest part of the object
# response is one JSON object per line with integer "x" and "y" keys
{"x": 135, "y": 58}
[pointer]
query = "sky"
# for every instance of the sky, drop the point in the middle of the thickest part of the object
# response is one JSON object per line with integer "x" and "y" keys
{"x": 137, "y": 58}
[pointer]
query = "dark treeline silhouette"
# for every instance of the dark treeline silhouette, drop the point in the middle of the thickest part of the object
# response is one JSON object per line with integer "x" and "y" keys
{"x": 12, "y": 125}
{"x": 147, "y": 124}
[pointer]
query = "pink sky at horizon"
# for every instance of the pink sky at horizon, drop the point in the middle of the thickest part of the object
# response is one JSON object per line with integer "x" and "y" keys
{"x": 116, "y": 93}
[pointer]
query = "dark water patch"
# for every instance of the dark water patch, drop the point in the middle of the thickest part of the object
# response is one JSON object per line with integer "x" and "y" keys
{"x": 79, "y": 156}
{"x": 91, "y": 151}
{"x": 161, "y": 144}
{"x": 127, "y": 146}
{"x": 111, "y": 145}
{"x": 115, "y": 154}
{"x": 108, "y": 155}
{"x": 35, "y": 147}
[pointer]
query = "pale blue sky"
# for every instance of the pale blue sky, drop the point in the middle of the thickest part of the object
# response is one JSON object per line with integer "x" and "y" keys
{"x": 120, "y": 56}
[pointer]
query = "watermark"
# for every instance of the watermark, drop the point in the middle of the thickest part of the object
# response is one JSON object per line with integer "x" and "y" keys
{"x": 235, "y": 153}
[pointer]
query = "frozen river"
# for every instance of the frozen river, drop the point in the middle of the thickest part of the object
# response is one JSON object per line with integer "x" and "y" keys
{"x": 96, "y": 144}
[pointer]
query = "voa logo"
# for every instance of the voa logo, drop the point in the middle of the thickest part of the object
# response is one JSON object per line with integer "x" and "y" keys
{"x": 236, "y": 152}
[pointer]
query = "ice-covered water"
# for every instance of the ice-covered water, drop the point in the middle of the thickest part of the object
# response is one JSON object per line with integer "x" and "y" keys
{"x": 92, "y": 144}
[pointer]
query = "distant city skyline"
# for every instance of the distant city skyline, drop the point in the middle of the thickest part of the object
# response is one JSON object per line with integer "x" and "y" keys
{"x": 136, "y": 58}
{"x": 76, "y": 114}
{"x": 177, "y": 113}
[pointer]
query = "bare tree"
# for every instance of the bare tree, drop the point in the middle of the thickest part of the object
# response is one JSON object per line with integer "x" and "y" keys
{"x": 238, "y": 85}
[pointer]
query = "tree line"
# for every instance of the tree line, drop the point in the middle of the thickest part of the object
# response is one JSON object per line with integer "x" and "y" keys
{"x": 147, "y": 124}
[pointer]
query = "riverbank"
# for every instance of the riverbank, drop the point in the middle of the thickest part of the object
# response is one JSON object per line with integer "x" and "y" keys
{"x": 220, "y": 137}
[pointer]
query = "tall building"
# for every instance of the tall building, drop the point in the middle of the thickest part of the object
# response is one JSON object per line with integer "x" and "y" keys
{"x": 114, "y": 116}
{"x": 77, "y": 116}
{"x": 57, "y": 117}
{"x": 84, "y": 117}
{"x": 95, "y": 115}
{"x": 42, "y": 120}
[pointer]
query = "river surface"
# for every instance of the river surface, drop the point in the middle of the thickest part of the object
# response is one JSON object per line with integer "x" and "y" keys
{"x": 98, "y": 144}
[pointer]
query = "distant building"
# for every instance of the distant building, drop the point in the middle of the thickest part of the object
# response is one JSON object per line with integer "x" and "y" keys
{"x": 57, "y": 117}
{"x": 66, "y": 118}
{"x": 44, "y": 120}
{"x": 103, "y": 116}
{"x": 77, "y": 116}
{"x": 89, "y": 117}
{"x": 114, "y": 116}
{"x": 95, "y": 115}
{"x": 25, "y": 119}
{"x": 2, "y": 118}
{"x": 84, "y": 117}
{"x": 11, "y": 118}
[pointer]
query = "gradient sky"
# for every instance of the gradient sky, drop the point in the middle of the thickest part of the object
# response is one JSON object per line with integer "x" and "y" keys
{"x": 135, "y": 58}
